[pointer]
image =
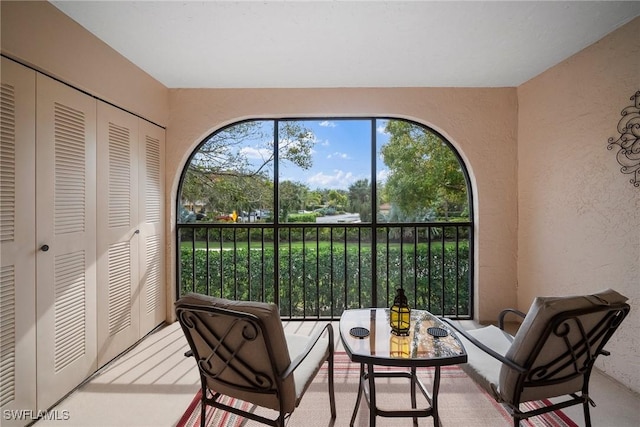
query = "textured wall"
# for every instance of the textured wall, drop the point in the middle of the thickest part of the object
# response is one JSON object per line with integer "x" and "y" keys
{"x": 578, "y": 215}
{"x": 481, "y": 123}
{"x": 37, "y": 34}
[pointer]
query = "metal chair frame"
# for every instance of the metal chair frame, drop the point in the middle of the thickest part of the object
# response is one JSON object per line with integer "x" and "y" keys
{"x": 577, "y": 359}
{"x": 222, "y": 356}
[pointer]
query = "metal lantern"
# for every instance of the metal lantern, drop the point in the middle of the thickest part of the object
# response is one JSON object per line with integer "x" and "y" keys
{"x": 400, "y": 314}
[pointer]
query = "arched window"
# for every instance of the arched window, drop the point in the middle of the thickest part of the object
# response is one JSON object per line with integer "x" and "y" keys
{"x": 327, "y": 214}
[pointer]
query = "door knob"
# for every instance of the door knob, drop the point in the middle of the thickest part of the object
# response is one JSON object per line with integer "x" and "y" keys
{"x": 44, "y": 248}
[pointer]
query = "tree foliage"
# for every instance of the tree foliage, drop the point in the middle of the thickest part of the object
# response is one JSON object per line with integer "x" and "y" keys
{"x": 337, "y": 198}
{"x": 360, "y": 199}
{"x": 425, "y": 178}
{"x": 292, "y": 198}
{"x": 233, "y": 169}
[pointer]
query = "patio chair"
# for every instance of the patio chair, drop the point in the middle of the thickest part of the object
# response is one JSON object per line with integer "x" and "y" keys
{"x": 242, "y": 352}
{"x": 551, "y": 355}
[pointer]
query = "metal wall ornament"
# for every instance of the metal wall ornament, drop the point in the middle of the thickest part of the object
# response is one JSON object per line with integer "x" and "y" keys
{"x": 629, "y": 141}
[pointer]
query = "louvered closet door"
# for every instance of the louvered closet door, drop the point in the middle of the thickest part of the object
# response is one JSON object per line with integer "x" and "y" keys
{"x": 152, "y": 227}
{"x": 66, "y": 224}
{"x": 118, "y": 234}
{"x": 17, "y": 241}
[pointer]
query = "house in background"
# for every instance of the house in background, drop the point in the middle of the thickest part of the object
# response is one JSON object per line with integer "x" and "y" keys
{"x": 553, "y": 213}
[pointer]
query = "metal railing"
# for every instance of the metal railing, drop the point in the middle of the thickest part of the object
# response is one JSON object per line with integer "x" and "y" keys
{"x": 315, "y": 271}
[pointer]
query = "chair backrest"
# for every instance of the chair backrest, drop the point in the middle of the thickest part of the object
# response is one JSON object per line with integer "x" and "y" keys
{"x": 240, "y": 348}
{"x": 558, "y": 343}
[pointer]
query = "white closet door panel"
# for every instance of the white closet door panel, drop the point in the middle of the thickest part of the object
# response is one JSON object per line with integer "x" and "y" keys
{"x": 66, "y": 224}
{"x": 17, "y": 242}
{"x": 152, "y": 227}
{"x": 118, "y": 234}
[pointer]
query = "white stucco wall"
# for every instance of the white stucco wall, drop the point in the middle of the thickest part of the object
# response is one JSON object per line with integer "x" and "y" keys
{"x": 578, "y": 215}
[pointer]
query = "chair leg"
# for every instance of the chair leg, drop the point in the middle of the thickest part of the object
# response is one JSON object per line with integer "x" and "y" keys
{"x": 332, "y": 397}
{"x": 587, "y": 415}
{"x": 515, "y": 413}
{"x": 203, "y": 408}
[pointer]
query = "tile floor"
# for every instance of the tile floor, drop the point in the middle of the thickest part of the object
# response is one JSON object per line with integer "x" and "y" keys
{"x": 153, "y": 383}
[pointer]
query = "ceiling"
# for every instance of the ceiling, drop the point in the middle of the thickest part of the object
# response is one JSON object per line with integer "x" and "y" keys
{"x": 301, "y": 44}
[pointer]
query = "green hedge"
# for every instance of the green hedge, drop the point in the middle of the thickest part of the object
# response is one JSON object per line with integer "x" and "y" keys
{"x": 305, "y": 217}
{"x": 307, "y": 273}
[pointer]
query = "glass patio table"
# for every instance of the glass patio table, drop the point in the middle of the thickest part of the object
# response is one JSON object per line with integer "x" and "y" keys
{"x": 367, "y": 339}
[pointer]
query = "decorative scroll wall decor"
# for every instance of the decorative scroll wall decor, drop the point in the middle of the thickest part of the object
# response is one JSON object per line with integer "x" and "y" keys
{"x": 629, "y": 141}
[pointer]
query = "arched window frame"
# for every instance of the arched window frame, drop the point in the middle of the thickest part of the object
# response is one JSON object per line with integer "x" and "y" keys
{"x": 278, "y": 226}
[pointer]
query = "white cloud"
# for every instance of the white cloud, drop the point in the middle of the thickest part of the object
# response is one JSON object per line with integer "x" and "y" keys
{"x": 382, "y": 130}
{"x": 328, "y": 124}
{"x": 338, "y": 155}
{"x": 256, "y": 153}
{"x": 339, "y": 179}
{"x": 313, "y": 138}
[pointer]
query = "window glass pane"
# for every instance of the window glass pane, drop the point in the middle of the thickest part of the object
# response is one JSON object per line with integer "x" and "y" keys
{"x": 324, "y": 171}
{"x": 230, "y": 177}
{"x": 419, "y": 177}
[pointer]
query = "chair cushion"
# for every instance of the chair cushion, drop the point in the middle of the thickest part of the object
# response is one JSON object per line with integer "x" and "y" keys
{"x": 307, "y": 370}
{"x": 482, "y": 368}
{"x": 254, "y": 353}
{"x": 542, "y": 310}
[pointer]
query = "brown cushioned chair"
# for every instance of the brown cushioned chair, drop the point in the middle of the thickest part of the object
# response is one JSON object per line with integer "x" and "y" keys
{"x": 241, "y": 351}
{"x": 551, "y": 355}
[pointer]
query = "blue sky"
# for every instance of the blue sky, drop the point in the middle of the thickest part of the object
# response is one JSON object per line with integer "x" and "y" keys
{"x": 341, "y": 154}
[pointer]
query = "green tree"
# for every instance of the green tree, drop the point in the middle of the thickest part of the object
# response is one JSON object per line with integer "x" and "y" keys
{"x": 292, "y": 197}
{"x": 233, "y": 169}
{"x": 425, "y": 178}
{"x": 337, "y": 198}
{"x": 295, "y": 143}
{"x": 360, "y": 199}
{"x": 192, "y": 190}
{"x": 314, "y": 200}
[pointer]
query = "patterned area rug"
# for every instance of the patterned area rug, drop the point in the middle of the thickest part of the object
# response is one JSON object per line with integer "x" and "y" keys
{"x": 461, "y": 403}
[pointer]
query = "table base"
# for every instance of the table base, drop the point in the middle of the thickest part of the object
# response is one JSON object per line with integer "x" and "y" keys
{"x": 367, "y": 386}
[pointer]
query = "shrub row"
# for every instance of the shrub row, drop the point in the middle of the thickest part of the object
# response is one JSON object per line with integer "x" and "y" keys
{"x": 324, "y": 281}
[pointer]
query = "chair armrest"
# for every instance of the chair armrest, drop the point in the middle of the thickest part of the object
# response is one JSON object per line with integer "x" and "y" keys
{"x": 506, "y": 311}
{"x": 484, "y": 348}
{"x": 314, "y": 340}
